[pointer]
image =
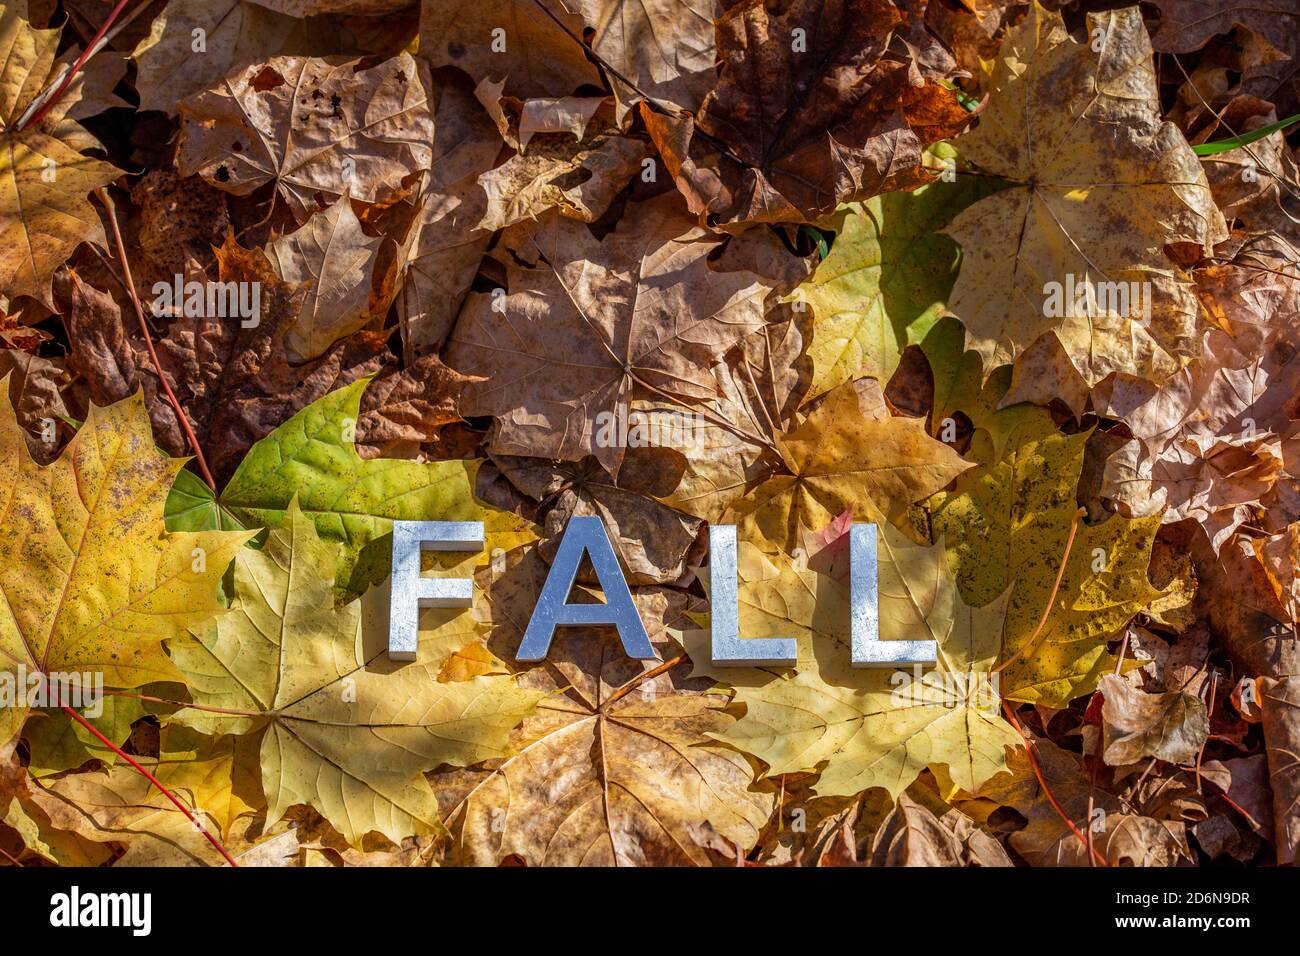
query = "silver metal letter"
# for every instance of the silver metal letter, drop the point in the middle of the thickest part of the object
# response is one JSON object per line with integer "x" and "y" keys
{"x": 584, "y": 535}
{"x": 867, "y": 649}
{"x": 729, "y": 648}
{"x": 408, "y": 592}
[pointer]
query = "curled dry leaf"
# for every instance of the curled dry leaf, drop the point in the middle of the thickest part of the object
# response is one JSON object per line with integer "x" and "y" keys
{"x": 410, "y": 406}
{"x": 35, "y": 386}
{"x": 1280, "y": 698}
{"x": 114, "y": 363}
{"x": 1172, "y": 727}
{"x": 580, "y": 182}
{"x": 335, "y": 259}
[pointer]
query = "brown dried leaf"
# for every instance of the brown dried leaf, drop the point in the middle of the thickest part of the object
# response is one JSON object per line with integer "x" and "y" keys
{"x": 443, "y": 248}
{"x": 617, "y": 766}
{"x": 589, "y": 323}
{"x": 651, "y": 539}
{"x": 507, "y": 40}
{"x": 411, "y": 405}
{"x": 319, "y": 128}
{"x": 336, "y": 260}
{"x": 1172, "y": 727}
{"x": 235, "y": 382}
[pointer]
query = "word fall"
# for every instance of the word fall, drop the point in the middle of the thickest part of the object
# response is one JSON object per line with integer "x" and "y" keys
{"x": 587, "y": 536}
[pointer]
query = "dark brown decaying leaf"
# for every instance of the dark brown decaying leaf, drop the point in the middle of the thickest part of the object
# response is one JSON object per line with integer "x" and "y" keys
{"x": 817, "y": 102}
{"x": 35, "y": 386}
{"x": 114, "y": 362}
{"x": 180, "y": 220}
{"x": 235, "y": 380}
{"x": 409, "y": 407}
{"x": 1187, "y": 25}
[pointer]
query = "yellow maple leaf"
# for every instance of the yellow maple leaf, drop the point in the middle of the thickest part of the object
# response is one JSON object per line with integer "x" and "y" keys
{"x": 1100, "y": 185}
{"x": 341, "y": 728}
{"x": 92, "y": 583}
{"x": 44, "y": 177}
{"x": 862, "y": 728}
{"x": 849, "y": 453}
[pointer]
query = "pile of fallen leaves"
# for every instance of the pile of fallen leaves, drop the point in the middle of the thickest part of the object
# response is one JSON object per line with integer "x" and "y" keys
{"x": 785, "y": 265}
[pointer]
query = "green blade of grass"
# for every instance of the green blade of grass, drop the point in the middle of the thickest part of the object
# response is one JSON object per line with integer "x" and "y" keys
{"x": 1227, "y": 145}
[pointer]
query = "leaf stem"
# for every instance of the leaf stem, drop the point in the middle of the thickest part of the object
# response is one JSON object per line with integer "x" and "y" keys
{"x": 153, "y": 780}
{"x": 91, "y": 48}
{"x": 1026, "y": 647}
{"x": 642, "y": 678}
{"x": 107, "y": 201}
{"x": 1047, "y": 790}
{"x": 183, "y": 703}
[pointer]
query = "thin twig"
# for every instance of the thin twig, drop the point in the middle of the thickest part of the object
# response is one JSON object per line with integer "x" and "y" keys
{"x": 1092, "y": 790}
{"x": 107, "y": 201}
{"x": 1214, "y": 685}
{"x": 153, "y": 780}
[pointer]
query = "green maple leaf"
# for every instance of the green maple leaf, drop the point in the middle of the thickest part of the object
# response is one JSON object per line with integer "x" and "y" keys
{"x": 886, "y": 280}
{"x": 351, "y": 500}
